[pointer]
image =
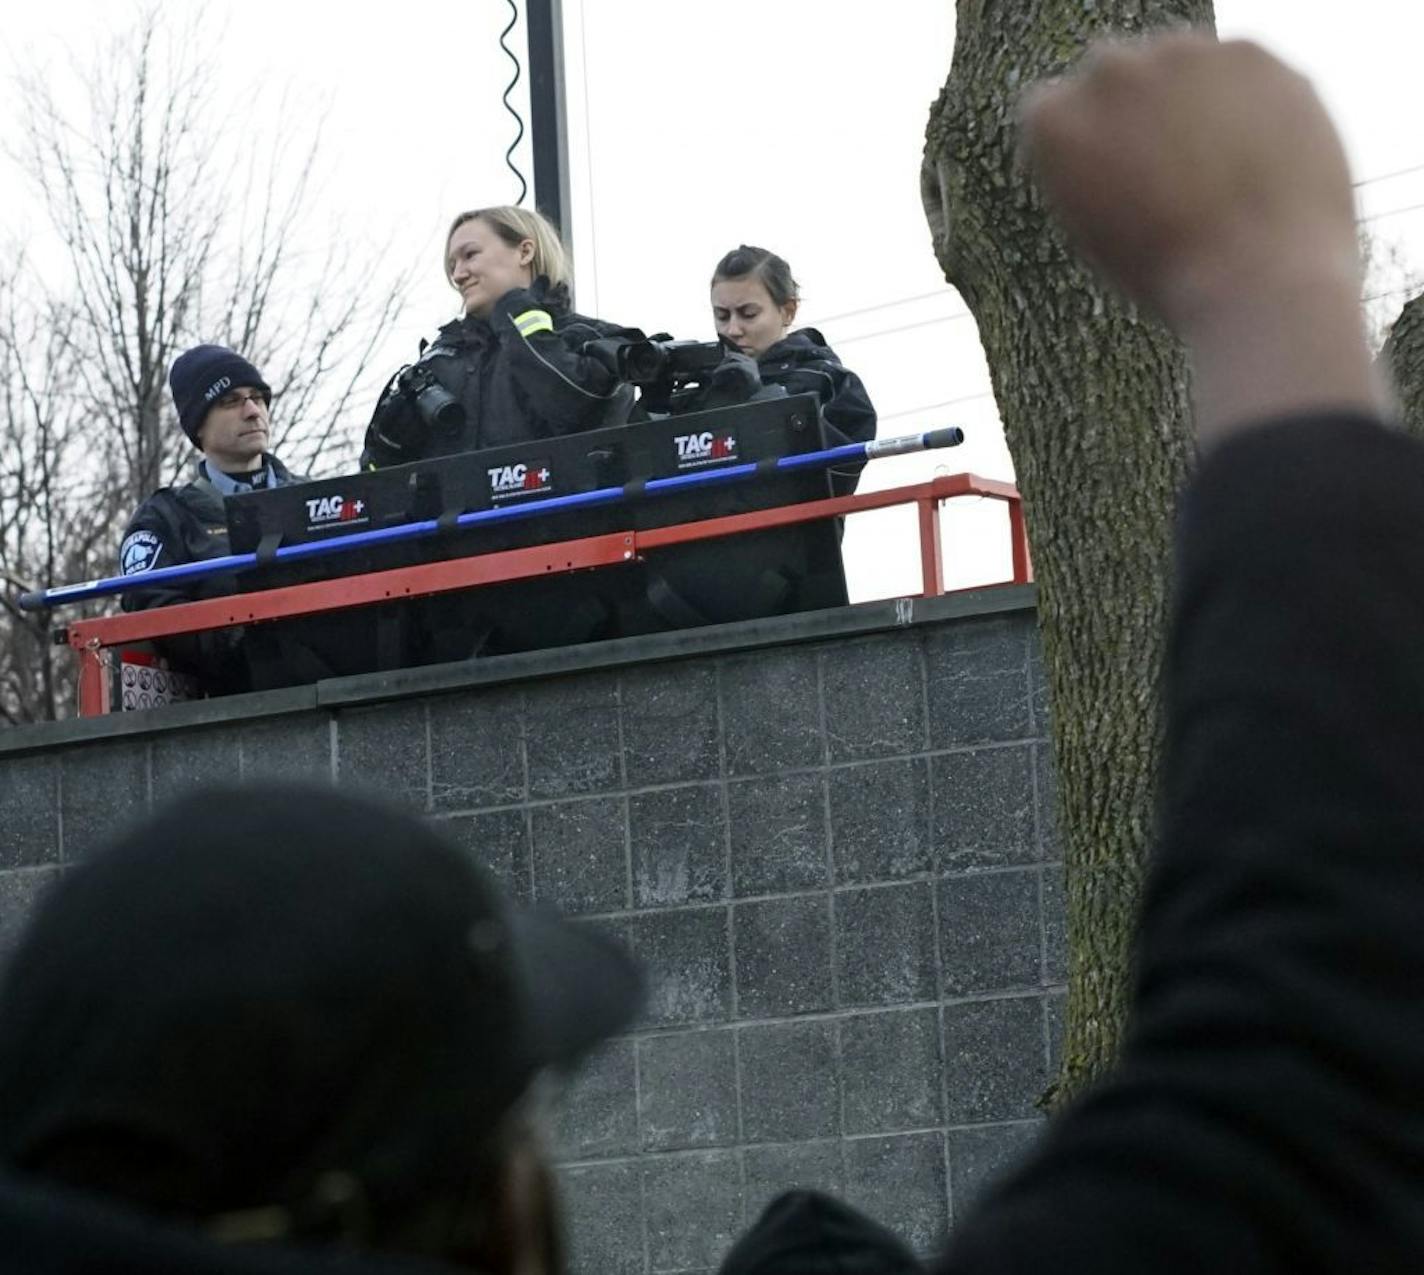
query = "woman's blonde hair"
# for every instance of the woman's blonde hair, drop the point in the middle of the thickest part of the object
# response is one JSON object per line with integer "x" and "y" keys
{"x": 514, "y": 226}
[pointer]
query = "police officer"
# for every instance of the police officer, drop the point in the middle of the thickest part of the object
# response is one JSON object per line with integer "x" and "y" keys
{"x": 514, "y": 363}
{"x": 754, "y": 303}
{"x": 222, "y": 404}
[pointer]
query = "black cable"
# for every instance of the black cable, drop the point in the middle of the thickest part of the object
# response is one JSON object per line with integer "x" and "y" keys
{"x": 509, "y": 88}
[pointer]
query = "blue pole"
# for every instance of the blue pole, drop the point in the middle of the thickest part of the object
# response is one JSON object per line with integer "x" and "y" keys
{"x": 65, "y": 594}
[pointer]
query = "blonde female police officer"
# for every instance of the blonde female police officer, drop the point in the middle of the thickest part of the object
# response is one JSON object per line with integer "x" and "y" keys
{"x": 512, "y": 361}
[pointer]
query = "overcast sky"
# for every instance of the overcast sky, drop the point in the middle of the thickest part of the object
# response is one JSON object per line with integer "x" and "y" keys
{"x": 796, "y": 124}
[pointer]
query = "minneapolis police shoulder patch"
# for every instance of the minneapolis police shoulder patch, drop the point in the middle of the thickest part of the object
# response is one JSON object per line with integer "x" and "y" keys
{"x": 139, "y": 552}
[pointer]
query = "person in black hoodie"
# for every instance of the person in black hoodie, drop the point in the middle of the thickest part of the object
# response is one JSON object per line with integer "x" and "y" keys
{"x": 754, "y": 303}
{"x": 1265, "y": 1117}
{"x": 513, "y": 363}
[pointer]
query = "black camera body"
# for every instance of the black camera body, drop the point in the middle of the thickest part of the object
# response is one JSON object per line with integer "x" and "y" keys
{"x": 662, "y": 368}
{"x": 415, "y": 403}
{"x": 679, "y": 363}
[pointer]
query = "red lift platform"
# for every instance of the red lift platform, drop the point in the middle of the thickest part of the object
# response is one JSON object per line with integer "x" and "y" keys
{"x": 97, "y": 641}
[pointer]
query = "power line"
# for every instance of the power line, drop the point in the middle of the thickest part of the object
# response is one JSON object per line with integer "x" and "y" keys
{"x": 1393, "y": 292}
{"x": 881, "y": 305}
{"x": 931, "y": 407}
{"x": 904, "y": 327}
{"x": 1393, "y": 212}
{"x": 818, "y": 320}
{"x": 1384, "y": 177}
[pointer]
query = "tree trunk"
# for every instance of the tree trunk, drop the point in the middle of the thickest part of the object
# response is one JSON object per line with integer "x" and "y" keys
{"x": 1095, "y": 405}
{"x": 1403, "y": 355}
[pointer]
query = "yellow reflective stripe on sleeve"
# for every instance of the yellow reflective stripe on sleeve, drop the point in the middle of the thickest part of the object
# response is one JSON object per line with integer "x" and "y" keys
{"x": 532, "y": 321}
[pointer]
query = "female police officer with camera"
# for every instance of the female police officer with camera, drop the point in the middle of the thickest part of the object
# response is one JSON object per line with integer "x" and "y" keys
{"x": 754, "y": 303}
{"x": 511, "y": 368}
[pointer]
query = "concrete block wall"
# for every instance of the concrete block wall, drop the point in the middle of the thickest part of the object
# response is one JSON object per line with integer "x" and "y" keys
{"x": 833, "y": 848}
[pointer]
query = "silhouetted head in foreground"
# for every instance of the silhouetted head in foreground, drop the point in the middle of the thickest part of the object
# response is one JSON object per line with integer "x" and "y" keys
{"x": 287, "y": 1015}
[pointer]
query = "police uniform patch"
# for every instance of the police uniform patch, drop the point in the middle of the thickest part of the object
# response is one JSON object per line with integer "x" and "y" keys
{"x": 139, "y": 552}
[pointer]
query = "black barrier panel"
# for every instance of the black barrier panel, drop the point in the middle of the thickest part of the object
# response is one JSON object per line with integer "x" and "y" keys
{"x": 758, "y": 573}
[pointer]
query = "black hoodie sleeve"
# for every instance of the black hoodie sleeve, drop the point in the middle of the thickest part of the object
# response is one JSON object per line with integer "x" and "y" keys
{"x": 805, "y": 364}
{"x": 563, "y": 387}
{"x": 1266, "y": 1115}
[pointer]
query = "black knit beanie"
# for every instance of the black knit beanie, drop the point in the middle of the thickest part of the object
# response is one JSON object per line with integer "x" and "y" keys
{"x": 200, "y": 376}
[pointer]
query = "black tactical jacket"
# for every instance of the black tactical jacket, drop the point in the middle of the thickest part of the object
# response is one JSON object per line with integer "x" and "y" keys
{"x": 187, "y": 524}
{"x": 803, "y": 363}
{"x": 516, "y": 380}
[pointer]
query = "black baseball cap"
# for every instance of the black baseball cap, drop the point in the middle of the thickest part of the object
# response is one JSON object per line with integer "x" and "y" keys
{"x": 261, "y": 986}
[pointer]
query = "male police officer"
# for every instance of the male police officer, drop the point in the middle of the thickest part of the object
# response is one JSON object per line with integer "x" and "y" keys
{"x": 222, "y": 404}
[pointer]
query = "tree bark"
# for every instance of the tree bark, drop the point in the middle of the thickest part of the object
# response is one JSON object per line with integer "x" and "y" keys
{"x": 1403, "y": 355}
{"x": 1096, "y": 411}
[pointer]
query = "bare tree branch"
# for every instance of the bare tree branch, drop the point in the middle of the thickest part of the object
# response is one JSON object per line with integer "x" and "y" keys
{"x": 174, "y": 229}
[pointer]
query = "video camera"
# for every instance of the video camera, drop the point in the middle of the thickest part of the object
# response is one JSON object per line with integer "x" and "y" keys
{"x": 659, "y": 366}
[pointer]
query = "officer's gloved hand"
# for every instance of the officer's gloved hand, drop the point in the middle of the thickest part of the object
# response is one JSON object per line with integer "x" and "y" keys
{"x": 736, "y": 379}
{"x": 525, "y": 309}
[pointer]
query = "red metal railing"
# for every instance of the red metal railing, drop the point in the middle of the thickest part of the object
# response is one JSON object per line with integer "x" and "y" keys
{"x": 93, "y": 640}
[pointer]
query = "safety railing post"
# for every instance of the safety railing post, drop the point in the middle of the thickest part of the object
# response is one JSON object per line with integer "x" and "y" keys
{"x": 931, "y": 552}
{"x": 1018, "y": 539}
{"x": 93, "y": 680}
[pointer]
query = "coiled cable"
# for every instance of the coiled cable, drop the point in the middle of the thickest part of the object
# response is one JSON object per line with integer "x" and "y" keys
{"x": 508, "y": 89}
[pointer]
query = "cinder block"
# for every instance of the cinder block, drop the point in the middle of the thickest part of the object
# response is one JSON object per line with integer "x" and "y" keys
{"x": 875, "y": 699}
{"x": 880, "y": 820}
{"x": 670, "y": 724}
{"x": 102, "y": 788}
{"x": 783, "y": 956}
{"x": 381, "y": 752}
{"x": 602, "y": 1206}
{"x": 678, "y": 838}
{"x": 978, "y": 681}
{"x": 778, "y": 834}
{"x": 581, "y": 854}
{"x": 1055, "y": 926}
{"x": 20, "y": 890}
{"x": 571, "y": 736}
{"x": 498, "y": 840}
{"x": 687, "y": 1090}
{"x": 892, "y": 1071}
{"x": 809, "y": 1166}
{"x": 1054, "y": 1008}
{"x": 29, "y": 811}
{"x": 477, "y": 750}
{"x": 790, "y": 1090}
{"x": 1050, "y": 835}
{"x": 289, "y": 749}
{"x": 687, "y": 963}
{"x": 771, "y": 711}
{"x": 980, "y": 1157}
{"x": 984, "y": 808}
{"x": 990, "y": 932}
{"x": 1039, "y": 704}
{"x": 597, "y": 1114}
{"x": 900, "y": 1181}
{"x": 885, "y": 945}
{"x": 694, "y": 1208}
{"x": 994, "y": 1059}
{"x": 185, "y": 761}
